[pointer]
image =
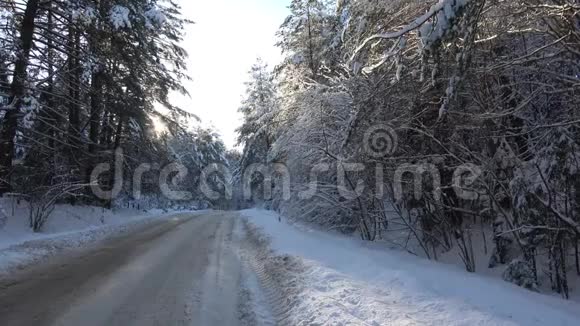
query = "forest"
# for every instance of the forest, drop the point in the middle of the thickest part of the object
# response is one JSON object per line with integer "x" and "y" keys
{"x": 441, "y": 127}
{"x": 452, "y": 124}
{"x": 80, "y": 79}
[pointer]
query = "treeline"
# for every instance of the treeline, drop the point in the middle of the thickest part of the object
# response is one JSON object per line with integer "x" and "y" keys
{"x": 480, "y": 97}
{"x": 81, "y": 79}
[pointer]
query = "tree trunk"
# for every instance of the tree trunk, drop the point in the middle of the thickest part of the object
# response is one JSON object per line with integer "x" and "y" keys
{"x": 74, "y": 93}
{"x": 95, "y": 119}
{"x": 50, "y": 102}
{"x": 17, "y": 90}
{"x": 105, "y": 130}
{"x": 119, "y": 132}
{"x": 97, "y": 88}
{"x": 311, "y": 64}
{"x": 118, "y": 141}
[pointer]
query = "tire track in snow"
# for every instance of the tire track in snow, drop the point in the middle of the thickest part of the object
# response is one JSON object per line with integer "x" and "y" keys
{"x": 276, "y": 275}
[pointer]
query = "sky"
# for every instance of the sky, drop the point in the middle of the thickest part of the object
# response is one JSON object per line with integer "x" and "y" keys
{"x": 226, "y": 39}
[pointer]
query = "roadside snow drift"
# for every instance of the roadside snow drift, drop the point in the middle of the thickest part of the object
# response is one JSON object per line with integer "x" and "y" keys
{"x": 334, "y": 280}
{"x": 69, "y": 227}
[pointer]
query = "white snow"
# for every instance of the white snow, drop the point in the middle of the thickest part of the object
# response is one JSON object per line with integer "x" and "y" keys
{"x": 68, "y": 227}
{"x": 119, "y": 17}
{"x": 256, "y": 302}
{"x": 351, "y": 282}
{"x": 253, "y": 305}
{"x": 65, "y": 219}
{"x": 84, "y": 15}
{"x": 154, "y": 17}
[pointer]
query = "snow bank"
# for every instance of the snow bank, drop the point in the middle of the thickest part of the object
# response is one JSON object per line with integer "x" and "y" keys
{"x": 68, "y": 227}
{"x": 347, "y": 281}
{"x": 64, "y": 219}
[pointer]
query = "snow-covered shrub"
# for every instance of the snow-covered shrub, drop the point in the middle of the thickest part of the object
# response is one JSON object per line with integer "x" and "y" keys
{"x": 522, "y": 274}
{"x": 501, "y": 252}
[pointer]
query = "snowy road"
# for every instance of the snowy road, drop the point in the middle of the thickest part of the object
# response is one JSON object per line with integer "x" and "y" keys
{"x": 180, "y": 271}
{"x": 254, "y": 268}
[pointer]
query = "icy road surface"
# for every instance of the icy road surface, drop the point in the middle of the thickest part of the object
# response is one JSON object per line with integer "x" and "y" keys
{"x": 184, "y": 270}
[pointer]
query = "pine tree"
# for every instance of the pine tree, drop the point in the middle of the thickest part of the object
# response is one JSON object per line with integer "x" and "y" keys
{"x": 258, "y": 108}
{"x": 307, "y": 38}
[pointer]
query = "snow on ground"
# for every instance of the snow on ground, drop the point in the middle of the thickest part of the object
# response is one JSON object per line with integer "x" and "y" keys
{"x": 68, "y": 227}
{"x": 336, "y": 280}
{"x": 253, "y": 306}
{"x": 64, "y": 219}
